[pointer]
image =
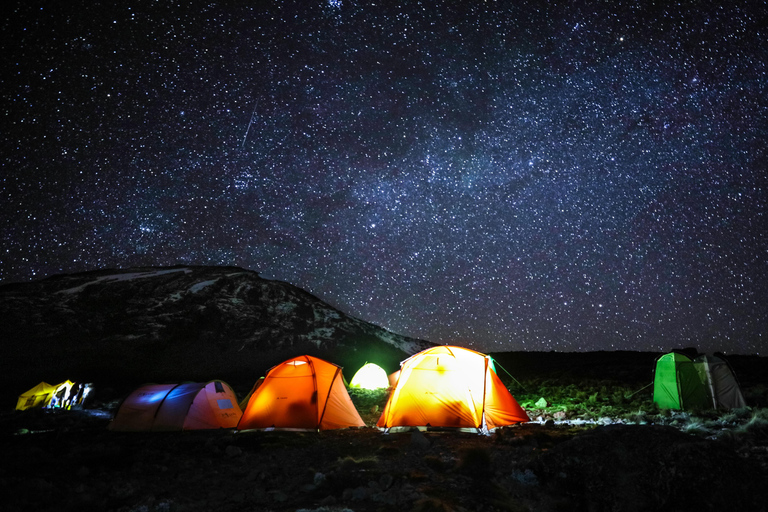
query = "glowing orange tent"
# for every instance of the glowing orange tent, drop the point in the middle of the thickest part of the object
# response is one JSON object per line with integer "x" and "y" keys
{"x": 187, "y": 406}
{"x": 392, "y": 377}
{"x": 450, "y": 387}
{"x": 303, "y": 393}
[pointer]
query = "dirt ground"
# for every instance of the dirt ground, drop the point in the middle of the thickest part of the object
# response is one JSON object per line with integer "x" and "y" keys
{"x": 68, "y": 460}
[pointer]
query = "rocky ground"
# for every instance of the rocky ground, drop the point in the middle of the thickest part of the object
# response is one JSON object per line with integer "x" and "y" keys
{"x": 597, "y": 443}
{"x": 67, "y": 460}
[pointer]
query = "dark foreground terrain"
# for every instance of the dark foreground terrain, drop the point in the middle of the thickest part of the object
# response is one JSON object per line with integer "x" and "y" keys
{"x": 597, "y": 443}
{"x": 68, "y": 461}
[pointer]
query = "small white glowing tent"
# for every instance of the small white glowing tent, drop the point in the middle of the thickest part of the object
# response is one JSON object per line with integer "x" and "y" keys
{"x": 370, "y": 376}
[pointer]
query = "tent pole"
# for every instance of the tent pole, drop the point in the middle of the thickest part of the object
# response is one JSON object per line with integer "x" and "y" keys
{"x": 639, "y": 390}
{"x": 154, "y": 416}
{"x": 483, "y": 427}
{"x": 711, "y": 384}
{"x": 496, "y": 363}
{"x": 680, "y": 401}
{"x": 319, "y": 415}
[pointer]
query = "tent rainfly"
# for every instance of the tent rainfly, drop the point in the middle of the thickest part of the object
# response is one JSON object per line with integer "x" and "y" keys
{"x": 187, "y": 406}
{"x": 370, "y": 376}
{"x": 450, "y": 387}
{"x": 705, "y": 382}
{"x": 46, "y": 396}
{"x": 303, "y": 393}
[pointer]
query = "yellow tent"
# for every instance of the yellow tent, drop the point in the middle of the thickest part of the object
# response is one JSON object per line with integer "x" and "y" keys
{"x": 45, "y": 395}
{"x": 450, "y": 387}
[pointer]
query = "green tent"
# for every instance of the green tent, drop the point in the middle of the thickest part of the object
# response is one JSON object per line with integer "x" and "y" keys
{"x": 705, "y": 382}
{"x": 677, "y": 384}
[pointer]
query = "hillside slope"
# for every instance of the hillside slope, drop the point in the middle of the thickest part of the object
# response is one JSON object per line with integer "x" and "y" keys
{"x": 178, "y": 323}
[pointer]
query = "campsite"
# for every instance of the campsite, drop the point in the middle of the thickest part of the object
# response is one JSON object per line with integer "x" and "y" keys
{"x": 596, "y": 441}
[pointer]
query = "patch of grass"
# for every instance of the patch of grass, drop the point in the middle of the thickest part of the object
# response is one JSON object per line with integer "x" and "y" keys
{"x": 588, "y": 399}
{"x": 638, "y": 417}
{"x": 369, "y": 403}
{"x": 757, "y": 426}
{"x": 388, "y": 451}
{"x": 349, "y": 463}
{"x": 367, "y": 398}
{"x": 592, "y": 400}
{"x": 696, "y": 427}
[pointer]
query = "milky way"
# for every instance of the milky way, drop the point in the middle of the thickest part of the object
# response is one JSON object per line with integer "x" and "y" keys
{"x": 500, "y": 175}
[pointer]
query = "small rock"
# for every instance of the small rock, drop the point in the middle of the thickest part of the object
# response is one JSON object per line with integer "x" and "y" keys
{"x": 122, "y": 490}
{"x": 388, "y": 498}
{"x": 259, "y": 495}
{"x": 328, "y": 500}
{"x": 233, "y": 451}
{"x": 419, "y": 441}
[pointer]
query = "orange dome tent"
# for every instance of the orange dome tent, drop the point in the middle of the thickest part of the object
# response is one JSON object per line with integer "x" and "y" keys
{"x": 450, "y": 387}
{"x": 303, "y": 393}
{"x": 187, "y": 406}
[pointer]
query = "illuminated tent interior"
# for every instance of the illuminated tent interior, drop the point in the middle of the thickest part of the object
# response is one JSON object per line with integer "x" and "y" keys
{"x": 450, "y": 387}
{"x": 45, "y": 396}
{"x": 704, "y": 382}
{"x": 370, "y": 376}
{"x": 303, "y": 393}
{"x": 187, "y": 406}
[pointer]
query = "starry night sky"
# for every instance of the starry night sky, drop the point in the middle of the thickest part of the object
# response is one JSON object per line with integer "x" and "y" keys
{"x": 500, "y": 175}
